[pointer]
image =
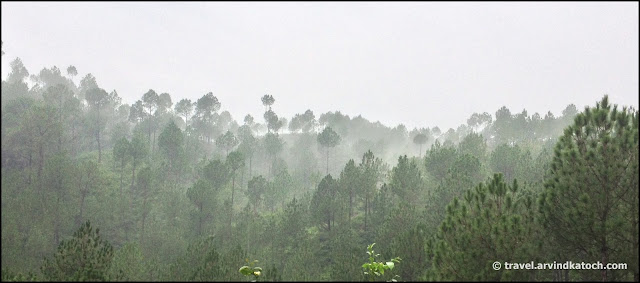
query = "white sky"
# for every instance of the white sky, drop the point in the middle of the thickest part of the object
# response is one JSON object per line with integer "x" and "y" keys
{"x": 422, "y": 64}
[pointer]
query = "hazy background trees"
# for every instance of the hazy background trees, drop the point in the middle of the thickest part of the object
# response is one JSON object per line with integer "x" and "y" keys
{"x": 182, "y": 191}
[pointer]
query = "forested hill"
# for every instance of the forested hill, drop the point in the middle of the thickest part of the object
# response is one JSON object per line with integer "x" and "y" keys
{"x": 167, "y": 189}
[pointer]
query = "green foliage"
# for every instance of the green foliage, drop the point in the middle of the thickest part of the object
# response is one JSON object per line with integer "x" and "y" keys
{"x": 121, "y": 150}
{"x": 278, "y": 188}
{"x": 139, "y": 150}
{"x": 217, "y": 173}
{"x": 235, "y": 161}
{"x": 205, "y": 260}
{"x": 10, "y": 276}
{"x": 85, "y": 257}
{"x": 411, "y": 244}
{"x": 150, "y": 100}
{"x": 267, "y": 100}
{"x": 256, "y": 188}
{"x": 489, "y": 224}
{"x": 479, "y": 120}
{"x": 227, "y": 141}
{"x": 206, "y": 106}
{"x": 202, "y": 195}
{"x": 273, "y": 122}
{"x": 328, "y": 138}
{"x": 375, "y": 269}
{"x": 324, "y": 204}
{"x": 97, "y": 97}
{"x": 273, "y": 144}
{"x": 473, "y": 144}
{"x": 420, "y": 139}
{"x": 349, "y": 181}
{"x": 164, "y": 102}
{"x": 127, "y": 264}
{"x": 439, "y": 159}
{"x": 305, "y": 224}
{"x": 305, "y": 122}
{"x": 406, "y": 181}
{"x": 184, "y": 107}
{"x": 137, "y": 113}
{"x": 171, "y": 142}
{"x": 511, "y": 161}
{"x": 592, "y": 190}
{"x": 251, "y": 270}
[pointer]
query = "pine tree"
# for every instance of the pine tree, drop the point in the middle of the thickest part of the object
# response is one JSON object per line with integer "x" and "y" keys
{"x": 590, "y": 202}
{"x": 85, "y": 257}
{"x": 490, "y": 224}
{"x": 324, "y": 202}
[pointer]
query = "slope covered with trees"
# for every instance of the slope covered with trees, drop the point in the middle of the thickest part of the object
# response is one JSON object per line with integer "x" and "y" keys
{"x": 96, "y": 189}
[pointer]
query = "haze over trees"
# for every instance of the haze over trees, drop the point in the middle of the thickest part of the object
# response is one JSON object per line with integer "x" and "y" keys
{"x": 177, "y": 189}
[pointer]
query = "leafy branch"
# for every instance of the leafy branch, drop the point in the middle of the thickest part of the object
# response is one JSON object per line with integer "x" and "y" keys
{"x": 251, "y": 269}
{"x": 374, "y": 269}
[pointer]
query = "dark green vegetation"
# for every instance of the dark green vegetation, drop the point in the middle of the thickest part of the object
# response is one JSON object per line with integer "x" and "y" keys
{"x": 93, "y": 189}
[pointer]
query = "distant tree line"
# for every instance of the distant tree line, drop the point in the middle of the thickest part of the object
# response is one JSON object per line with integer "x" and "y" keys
{"x": 97, "y": 189}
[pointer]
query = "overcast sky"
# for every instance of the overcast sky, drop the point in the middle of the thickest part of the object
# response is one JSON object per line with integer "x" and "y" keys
{"x": 422, "y": 64}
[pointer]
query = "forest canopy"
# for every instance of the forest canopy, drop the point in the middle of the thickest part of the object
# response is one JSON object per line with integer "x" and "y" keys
{"x": 166, "y": 189}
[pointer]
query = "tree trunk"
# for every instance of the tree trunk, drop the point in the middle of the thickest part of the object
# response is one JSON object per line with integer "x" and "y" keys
{"x": 56, "y": 236}
{"x": 350, "y": 204}
{"x": 133, "y": 177}
{"x": 41, "y": 160}
{"x": 634, "y": 235}
{"x": 99, "y": 147}
{"x": 82, "y": 196}
{"x": 242, "y": 176}
{"x": 604, "y": 251}
{"x": 604, "y": 248}
{"x": 144, "y": 217}
{"x": 30, "y": 166}
{"x": 124, "y": 220}
{"x": 154, "y": 140}
{"x": 149, "y": 127}
{"x": 233, "y": 188}
{"x": 366, "y": 211}
{"x": 327, "y": 161}
{"x": 635, "y": 208}
{"x": 60, "y": 122}
{"x": 121, "y": 174}
{"x": 73, "y": 138}
{"x": 248, "y": 237}
{"x": 60, "y": 140}
{"x": 200, "y": 220}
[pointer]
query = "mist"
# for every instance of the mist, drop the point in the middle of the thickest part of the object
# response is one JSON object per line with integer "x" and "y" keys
{"x": 300, "y": 141}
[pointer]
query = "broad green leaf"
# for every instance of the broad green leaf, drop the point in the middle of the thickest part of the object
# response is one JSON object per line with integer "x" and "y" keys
{"x": 245, "y": 270}
{"x": 390, "y": 264}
